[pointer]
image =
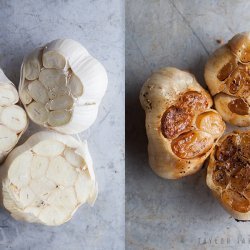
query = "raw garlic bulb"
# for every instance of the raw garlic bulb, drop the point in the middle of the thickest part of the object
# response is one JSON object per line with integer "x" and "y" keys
{"x": 47, "y": 179}
{"x": 13, "y": 119}
{"x": 228, "y": 173}
{"x": 180, "y": 124}
{"x": 62, "y": 85}
{"x": 227, "y": 74}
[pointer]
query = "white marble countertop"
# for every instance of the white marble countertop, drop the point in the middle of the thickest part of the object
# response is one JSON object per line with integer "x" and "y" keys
{"x": 99, "y": 26}
{"x": 164, "y": 214}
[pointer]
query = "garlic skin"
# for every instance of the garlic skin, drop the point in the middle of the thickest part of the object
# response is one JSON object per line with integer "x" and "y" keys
{"x": 62, "y": 85}
{"x": 180, "y": 124}
{"x": 13, "y": 119}
{"x": 228, "y": 173}
{"x": 46, "y": 179}
{"x": 227, "y": 74}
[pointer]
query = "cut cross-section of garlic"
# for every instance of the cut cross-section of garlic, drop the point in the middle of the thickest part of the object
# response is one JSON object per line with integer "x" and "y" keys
{"x": 64, "y": 84}
{"x": 13, "y": 119}
{"x": 181, "y": 126}
{"x": 228, "y": 173}
{"x": 227, "y": 74}
{"x": 47, "y": 179}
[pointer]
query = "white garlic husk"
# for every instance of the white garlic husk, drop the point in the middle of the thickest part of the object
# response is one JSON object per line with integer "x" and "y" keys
{"x": 62, "y": 85}
{"x": 13, "y": 119}
{"x": 46, "y": 179}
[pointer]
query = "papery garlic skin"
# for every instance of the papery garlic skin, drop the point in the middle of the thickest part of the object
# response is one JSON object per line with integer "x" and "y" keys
{"x": 46, "y": 179}
{"x": 180, "y": 124}
{"x": 13, "y": 119}
{"x": 228, "y": 173}
{"x": 66, "y": 92}
{"x": 227, "y": 74}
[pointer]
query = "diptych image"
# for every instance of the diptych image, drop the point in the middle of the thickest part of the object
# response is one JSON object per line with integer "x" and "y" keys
{"x": 124, "y": 125}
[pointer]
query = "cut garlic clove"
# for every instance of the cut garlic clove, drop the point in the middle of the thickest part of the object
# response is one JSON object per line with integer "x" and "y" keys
{"x": 58, "y": 91}
{"x": 74, "y": 158}
{"x": 38, "y": 92}
{"x": 37, "y": 112}
{"x": 39, "y": 166}
{"x": 49, "y": 148}
{"x": 61, "y": 102}
{"x": 8, "y": 92}
{"x": 14, "y": 117}
{"x": 52, "y": 78}
{"x": 75, "y": 85}
{"x": 59, "y": 118}
{"x": 8, "y": 139}
{"x": 40, "y": 185}
{"x": 32, "y": 65}
{"x": 53, "y": 59}
{"x": 25, "y": 96}
{"x": 19, "y": 173}
{"x": 210, "y": 122}
{"x": 60, "y": 171}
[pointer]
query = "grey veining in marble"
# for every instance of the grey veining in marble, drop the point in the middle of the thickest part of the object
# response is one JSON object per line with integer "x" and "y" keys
{"x": 99, "y": 26}
{"x": 164, "y": 214}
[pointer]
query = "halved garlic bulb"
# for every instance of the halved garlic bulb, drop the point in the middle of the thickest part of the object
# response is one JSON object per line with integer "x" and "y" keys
{"x": 13, "y": 119}
{"x": 227, "y": 74}
{"x": 181, "y": 126}
{"x": 62, "y": 85}
{"x": 47, "y": 179}
{"x": 228, "y": 173}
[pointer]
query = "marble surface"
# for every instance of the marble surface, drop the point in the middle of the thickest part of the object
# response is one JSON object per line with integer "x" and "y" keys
{"x": 99, "y": 26}
{"x": 164, "y": 214}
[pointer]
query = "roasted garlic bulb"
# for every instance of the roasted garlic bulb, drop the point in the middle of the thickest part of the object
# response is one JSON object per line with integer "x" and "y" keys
{"x": 46, "y": 179}
{"x": 227, "y": 74}
{"x": 62, "y": 85}
{"x": 13, "y": 119}
{"x": 181, "y": 126}
{"x": 228, "y": 173}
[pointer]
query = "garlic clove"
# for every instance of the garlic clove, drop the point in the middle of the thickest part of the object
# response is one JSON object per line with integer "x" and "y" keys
{"x": 59, "y": 118}
{"x": 52, "y": 78}
{"x": 53, "y": 60}
{"x": 8, "y": 92}
{"x": 75, "y": 85}
{"x": 8, "y": 138}
{"x": 49, "y": 148}
{"x": 74, "y": 158}
{"x": 25, "y": 96}
{"x": 61, "y": 102}
{"x": 37, "y": 112}
{"x": 38, "y": 92}
{"x": 39, "y": 166}
{"x": 14, "y": 117}
{"x": 32, "y": 65}
{"x": 19, "y": 174}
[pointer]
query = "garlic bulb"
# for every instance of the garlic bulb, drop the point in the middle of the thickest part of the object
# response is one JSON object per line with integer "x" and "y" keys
{"x": 180, "y": 124}
{"x": 228, "y": 173}
{"x": 47, "y": 178}
{"x": 228, "y": 78}
{"x": 62, "y": 85}
{"x": 13, "y": 119}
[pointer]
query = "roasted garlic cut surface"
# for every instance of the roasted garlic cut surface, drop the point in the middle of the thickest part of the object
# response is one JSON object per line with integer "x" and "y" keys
{"x": 13, "y": 119}
{"x": 227, "y": 74}
{"x": 62, "y": 85}
{"x": 180, "y": 124}
{"x": 228, "y": 173}
{"x": 47, "y": 179}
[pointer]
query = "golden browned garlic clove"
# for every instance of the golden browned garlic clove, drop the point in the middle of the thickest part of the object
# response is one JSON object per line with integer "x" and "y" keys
{"x": 228, "y": 173}
{"x": 181, "y": 126}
